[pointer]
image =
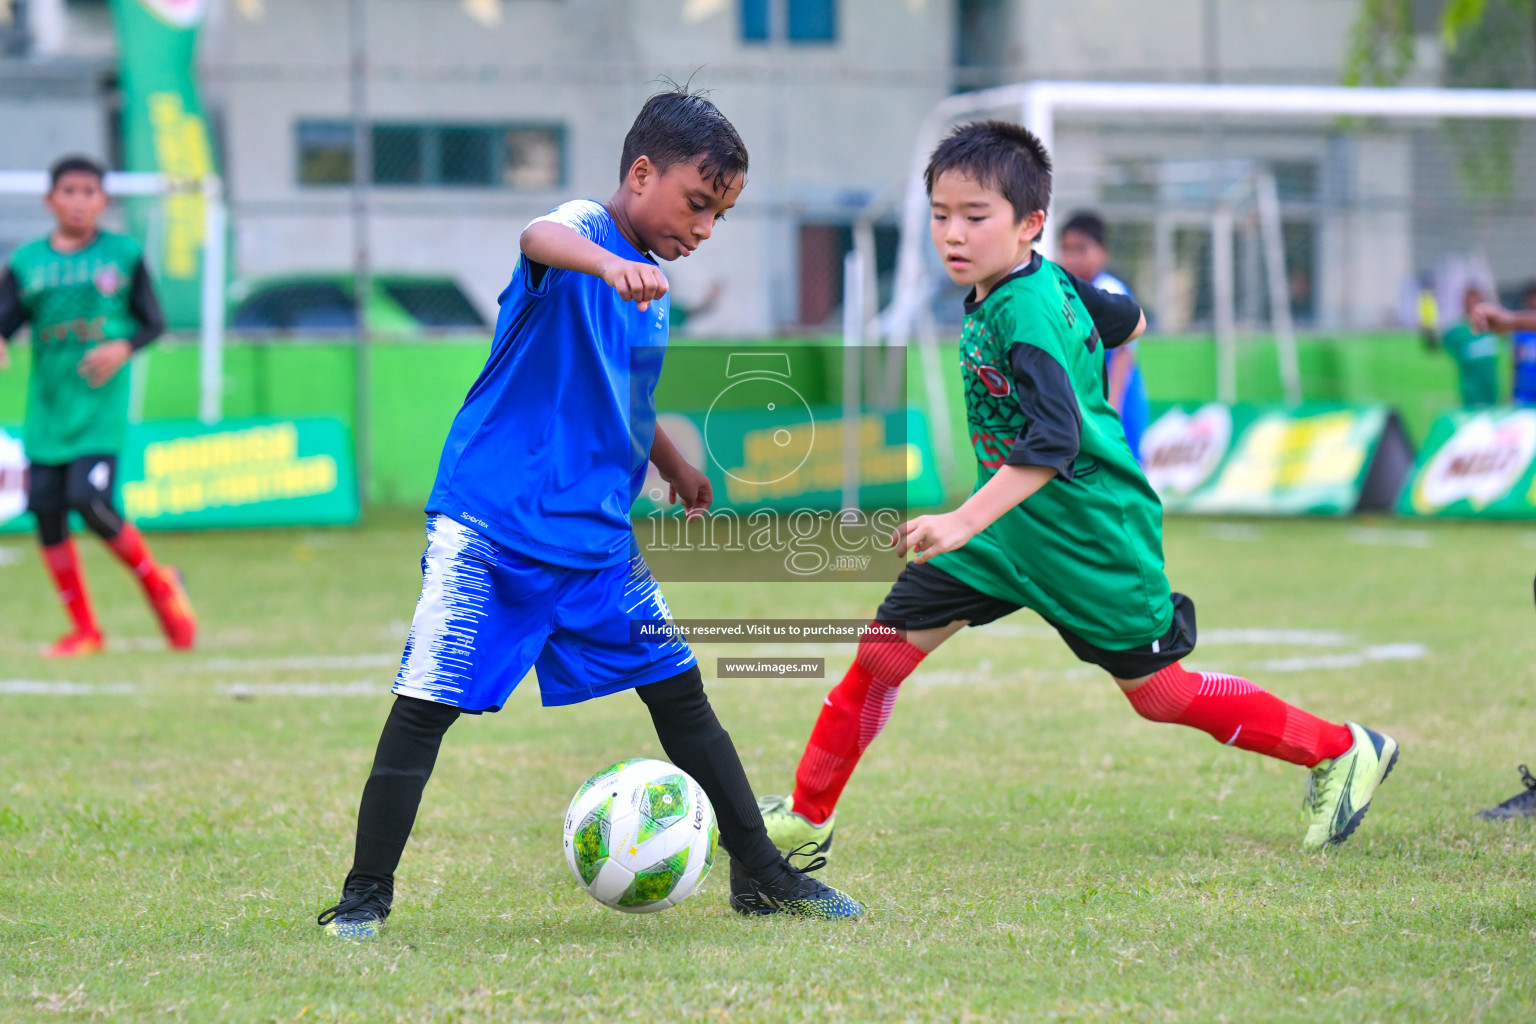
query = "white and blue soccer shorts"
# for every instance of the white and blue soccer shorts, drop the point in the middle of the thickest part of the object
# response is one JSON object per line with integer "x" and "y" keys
{"x": 488, "y": 614}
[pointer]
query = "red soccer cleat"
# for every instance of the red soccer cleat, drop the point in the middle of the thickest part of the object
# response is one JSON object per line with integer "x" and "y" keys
{"x": 175, "y": 610}
{"x": 75, "y": 645}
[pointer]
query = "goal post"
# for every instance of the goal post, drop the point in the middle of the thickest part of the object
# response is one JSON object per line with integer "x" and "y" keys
{"x": 123, "y": 185}
{"x": 1245, "y": 135}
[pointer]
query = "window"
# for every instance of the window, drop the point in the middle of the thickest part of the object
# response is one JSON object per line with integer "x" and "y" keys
{"x": 754, "y": 21}
{"x": 397, "y": 155}
{"x": 799, "y": 21}
{"x": 527, "y": 157}
{"x": 325, "y": 153}
{"x": 812, "y": 21}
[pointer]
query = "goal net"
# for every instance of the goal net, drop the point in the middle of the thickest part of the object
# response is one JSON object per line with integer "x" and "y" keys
{"x": 1241, "y": 213}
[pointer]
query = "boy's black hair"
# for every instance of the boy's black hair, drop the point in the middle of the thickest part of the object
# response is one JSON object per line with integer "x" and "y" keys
{"x": 1086, "y": 222}
{"x": 678, "y": 126}
{"x": 74, "y": 165}
{"x": 999, "y": 155}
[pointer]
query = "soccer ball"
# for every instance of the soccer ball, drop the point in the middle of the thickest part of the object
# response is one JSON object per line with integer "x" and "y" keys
{"x": 640, "y": 836}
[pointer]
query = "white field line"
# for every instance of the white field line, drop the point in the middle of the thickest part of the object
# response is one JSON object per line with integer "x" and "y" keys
{"x": 1377, "y": 536}
{"x": 1345, "y": 659}
{"x": 1239, "y": 532}
{"x": 355, "y": 688}
{"x": 302, "y": 663}
{"x": 1274, "y": 638}
{"x": 54, "y": 688}
{"x": 10, "y": 555}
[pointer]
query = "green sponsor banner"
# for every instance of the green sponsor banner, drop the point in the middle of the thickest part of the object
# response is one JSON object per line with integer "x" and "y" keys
{"x": 182, "y": 474}
{"x": 1476, "y": 464}
{"x": 165, "y": 131}
{"x": 783, "y": 463}
{"x": 1313, "y": 459}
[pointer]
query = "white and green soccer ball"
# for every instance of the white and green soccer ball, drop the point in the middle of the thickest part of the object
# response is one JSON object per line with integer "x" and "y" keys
{"x": 640, "y": 836}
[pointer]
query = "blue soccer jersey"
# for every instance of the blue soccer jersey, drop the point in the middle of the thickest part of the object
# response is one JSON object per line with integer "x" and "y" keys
{"x": 1133, "y": 404}
{"x": 1525, "y": 368}
{"x": 549, "y": 451}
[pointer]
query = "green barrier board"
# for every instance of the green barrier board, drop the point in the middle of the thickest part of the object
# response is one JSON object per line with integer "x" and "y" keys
{"x": 1313, "y": 459}
{"x": 1476, "y": 465}
{"x": 181, "y": 474}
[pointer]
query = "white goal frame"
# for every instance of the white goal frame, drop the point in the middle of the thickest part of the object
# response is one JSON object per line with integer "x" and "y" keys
{"x": 210, "y": 405}
{"x": 1038, "y": 105}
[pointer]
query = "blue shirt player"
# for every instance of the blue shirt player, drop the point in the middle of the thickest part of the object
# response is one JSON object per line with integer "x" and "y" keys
{"x": 1084, "y": 255}
{"x": 1525, "y": 354}
{"x": 531, "y": 560}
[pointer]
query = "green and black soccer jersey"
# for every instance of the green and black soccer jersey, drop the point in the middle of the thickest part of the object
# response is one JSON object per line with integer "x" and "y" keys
{"x": 76, "y": 301}
{"x": 1477, "y": 364}
{"x": 1086, "y": 550}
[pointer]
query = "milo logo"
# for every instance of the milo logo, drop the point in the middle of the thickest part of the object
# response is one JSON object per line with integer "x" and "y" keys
{"x": 1480, "y": 464}
{"x": 1180, "y": 451}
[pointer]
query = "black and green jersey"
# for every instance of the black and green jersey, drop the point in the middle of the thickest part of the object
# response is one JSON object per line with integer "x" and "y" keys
{"x": 75, "y": 301}
{"x": 1086, "y": 550}
{"x": 1477, "y": 364}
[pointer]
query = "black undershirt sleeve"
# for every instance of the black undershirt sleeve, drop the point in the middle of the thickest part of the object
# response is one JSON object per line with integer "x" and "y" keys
{"x": 145, "y": 307}
{"x": 12, "y": 313}
{"x": 1044, "y": 392}
{"x": 1115, "y": 316}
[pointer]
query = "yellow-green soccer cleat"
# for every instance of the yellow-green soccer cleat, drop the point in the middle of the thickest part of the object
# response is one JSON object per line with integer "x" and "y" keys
{"x": 793, "y": 833}
{"x": 1340, "y": 791}
{"x": 359, "y": 917}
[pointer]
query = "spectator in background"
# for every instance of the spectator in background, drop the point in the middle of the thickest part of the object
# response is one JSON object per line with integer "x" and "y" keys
{"x": 1476, "y": 353}
{"x": 1525, "y": 353}
{"x": 1084, "y": 255}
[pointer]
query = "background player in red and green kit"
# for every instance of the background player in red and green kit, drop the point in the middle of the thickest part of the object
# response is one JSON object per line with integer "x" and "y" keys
{"x": 1062, "y": 520}
{"x": 91, "y": 305}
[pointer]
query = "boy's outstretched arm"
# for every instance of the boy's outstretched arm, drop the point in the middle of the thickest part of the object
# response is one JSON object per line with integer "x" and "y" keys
{"x": 934, "y": 535}
{"x": 1489, "y": 316}
{"x": 1047, "y": 449}
{"x": 686, "y": 481}
{"x": 555, "y": 245}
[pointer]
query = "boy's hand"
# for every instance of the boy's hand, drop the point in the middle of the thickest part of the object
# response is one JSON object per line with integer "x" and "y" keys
{"x": 635, "y": 282}
{"x": 933, "y": 535}
{"x": 1490, "y": 316}
{"x": 5, "y": 356}
{"x": 692, "y": 487}
{"x": 103, "y": 361}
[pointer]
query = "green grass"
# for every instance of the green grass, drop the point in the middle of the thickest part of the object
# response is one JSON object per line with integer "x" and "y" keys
{"x": 1028, "y": 846}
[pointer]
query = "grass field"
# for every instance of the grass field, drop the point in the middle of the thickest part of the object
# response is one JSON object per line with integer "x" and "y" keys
{"x": 1030, "y": 849}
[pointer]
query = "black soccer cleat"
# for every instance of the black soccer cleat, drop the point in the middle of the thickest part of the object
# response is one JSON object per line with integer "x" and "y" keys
{"x": 1521, "y": 805}
{"x": 788, "y": 890}
{"x": 359, "y": 916}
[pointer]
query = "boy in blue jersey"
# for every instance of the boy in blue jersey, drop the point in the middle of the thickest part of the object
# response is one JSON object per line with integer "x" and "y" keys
{"x": 1524, "y": 392}
{"x": 1084, "y": 255}
{"x": 531, "y": 561}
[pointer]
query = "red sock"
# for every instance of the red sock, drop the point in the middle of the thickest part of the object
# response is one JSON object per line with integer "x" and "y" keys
{"x": 63, "y": 563}
{"x": 131, "y": 550}
{"x": 852, "y": 716}
{"x": 1239, "y": 713}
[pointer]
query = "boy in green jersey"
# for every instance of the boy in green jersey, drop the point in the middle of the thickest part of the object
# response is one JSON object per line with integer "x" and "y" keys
{"x": 1476, "y": 353}
{"x": 91, "y": 305}
{"x": 1062, "y": 520}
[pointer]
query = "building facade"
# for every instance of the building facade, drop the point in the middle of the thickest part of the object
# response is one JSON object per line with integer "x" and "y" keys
{"x": 482, "y": 114}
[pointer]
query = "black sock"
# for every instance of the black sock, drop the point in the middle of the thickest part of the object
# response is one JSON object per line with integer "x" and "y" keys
{"x": 696, "y": 742}
{"x": 401, "y": 766}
